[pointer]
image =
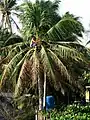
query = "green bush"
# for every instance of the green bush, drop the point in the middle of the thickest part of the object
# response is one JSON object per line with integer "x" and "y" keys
{"x": 71, "y": 112}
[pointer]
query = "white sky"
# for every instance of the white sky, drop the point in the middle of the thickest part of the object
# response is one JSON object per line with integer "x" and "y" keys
{"x": 79, "y": 8}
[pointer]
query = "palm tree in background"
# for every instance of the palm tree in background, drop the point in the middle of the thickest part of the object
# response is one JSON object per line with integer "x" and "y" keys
{"x": 8, "y": 38}
{"x": 26, "y": 66}
{"x": 7, "y": 8}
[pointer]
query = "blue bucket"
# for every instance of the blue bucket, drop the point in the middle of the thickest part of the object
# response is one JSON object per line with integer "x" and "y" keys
{"x": 50, "y": 102}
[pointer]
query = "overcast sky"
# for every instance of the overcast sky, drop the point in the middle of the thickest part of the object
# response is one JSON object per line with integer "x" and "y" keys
{"x": 79, "y": 8}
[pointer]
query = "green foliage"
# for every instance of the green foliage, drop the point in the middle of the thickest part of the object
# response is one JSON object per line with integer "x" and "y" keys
{"x": 38, "y": 17}
{"x": 42, "y": 18}
{"x": 17, "y": 109}
{"x": 4, "y": 35}
{"x": 71, "y": 112}
{"x": 67, "y": 29}
{"x": 26, "y": 104}
{"x": 21, "y": 71}
{"x": 87, "y": 77}
{"x": 7, "y": 38}
{"x": 86, "y": 74}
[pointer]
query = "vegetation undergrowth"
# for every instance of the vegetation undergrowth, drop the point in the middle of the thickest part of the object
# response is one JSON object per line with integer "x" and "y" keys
{"x": 70, "y": 112}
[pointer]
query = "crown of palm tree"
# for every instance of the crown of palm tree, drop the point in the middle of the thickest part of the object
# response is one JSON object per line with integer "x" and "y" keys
{"x": 42, "y": 18}
{"x": 25, "y": 63}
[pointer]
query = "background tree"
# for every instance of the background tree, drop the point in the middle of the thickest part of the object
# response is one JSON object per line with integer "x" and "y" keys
{"x": 7, "y": 8}
{"x": 6, "y": 38}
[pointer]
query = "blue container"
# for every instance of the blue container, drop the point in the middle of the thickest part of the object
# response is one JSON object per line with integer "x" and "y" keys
{"x": 50, "y": 102}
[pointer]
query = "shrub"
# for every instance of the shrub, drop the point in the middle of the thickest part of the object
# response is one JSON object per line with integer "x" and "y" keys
{"x": 71, "y": 112}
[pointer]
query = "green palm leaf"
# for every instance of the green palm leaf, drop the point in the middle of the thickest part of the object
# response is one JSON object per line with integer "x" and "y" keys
{"x": 11, "y": 65}
{"x": 65, "y": 29}
{"x": 25, "y": 77}
{"x": 47, "y": 63}
{"x": 38, "y": 17}
{"x": 67, "y": 52}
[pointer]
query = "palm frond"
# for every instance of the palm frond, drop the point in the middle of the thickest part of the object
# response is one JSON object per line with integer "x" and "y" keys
{"x": 13, "y": 67}
{"x": 60, "y": 71}
{"x": 65, "y": 28}
{"x": 10, "y": 67}
{"x": 38, "y": 16}
{"x": 11, "y": 50}
{"x": 61, "y": 66}
{"x": 20, "y": 63}
{"x": 11, "y": 3}
{"x": 15, "y": 23}
{"x": 47, "y": 64}
{"x": 26, "y": 77}
{"x": 68, "y": 53}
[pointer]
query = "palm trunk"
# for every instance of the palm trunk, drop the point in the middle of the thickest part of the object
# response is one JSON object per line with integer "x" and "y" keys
{"x": 44, "y": 97}
{"x": 40, "y": 92}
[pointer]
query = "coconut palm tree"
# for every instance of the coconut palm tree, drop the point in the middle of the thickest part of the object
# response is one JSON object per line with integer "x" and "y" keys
{"x": 27, "y": 66}
{"x": 7, "y": 9}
